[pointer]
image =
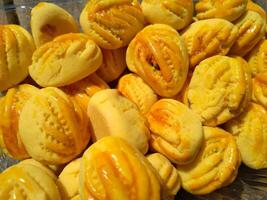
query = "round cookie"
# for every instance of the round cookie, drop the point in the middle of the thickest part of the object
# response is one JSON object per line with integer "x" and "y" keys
{"x": 16, "y": 49}
{"x": 176, "y": 13}
{"x": 113, "y": 114}
{"x": 135, "y": 89}
{"x": 49, "y": 21}
{"x": 215, "y": 166}
{"x": 112, "y": 169}
{"x": 53, "y": 129}
{"x": 159, "y": 56}
{"x": 210, "y": 37}
{"x": 176, "y": 132}
{"x": 65, "y": 60}
{"x": 259, "y": 89}
{"x": 226, "y": 9}
{"x": 220, "y": 89}
{"x": 250, "y": 131}
{"x": 112, "y": 24}
{"x": 10, "y": 109}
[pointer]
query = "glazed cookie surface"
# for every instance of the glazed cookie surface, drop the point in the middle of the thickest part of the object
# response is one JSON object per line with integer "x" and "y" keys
{"x": 259, "y": 89}
{"x": 158, "y": 55}
{"x": 65, "y": 60}
{"x": 112, "y": 24}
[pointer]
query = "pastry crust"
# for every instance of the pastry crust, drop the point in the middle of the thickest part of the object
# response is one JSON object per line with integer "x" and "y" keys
{"x": 112, "y": 169}
{"x": 53, "y": 129}
{"x": 226, "y": 9}
{"x": 14, "y": 60}
{"x": 183, "y": 94}
{"x": 176, "y": 132}
{"x": 216, "y": 165}
{"x": 256, "y": 8}
{"x": 49, "y": 21}
{"x": 159, "y": 56}
{"x": 134, "y": 88}
{"x": 65, "y": 60}
{"x": 112, "y": 23}
{"x": 220, "y": 89}
{"x": 259, "y": 89}
{"x": 176, "y": 13}
{"x": 10, "y": 109}
{"x": 210, "y": 37}
{"x": 250, "y": 131}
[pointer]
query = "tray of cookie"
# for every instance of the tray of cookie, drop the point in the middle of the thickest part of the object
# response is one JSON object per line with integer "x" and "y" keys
{"x": 162, "y": 99}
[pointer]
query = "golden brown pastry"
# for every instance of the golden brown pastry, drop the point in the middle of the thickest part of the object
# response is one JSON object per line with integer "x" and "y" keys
{"x": 220, "y": 89}
{"x": 16, "y": 48}
{"x": 28, "y": 181}
{"x": 256, "y": 8}
{"x": 259, "y": 89}
{"x": 170, "y": 179}
{"x": 49, "y": 21}
{"x": 226, "y": 9}
{"x": 68, "y": 180}
{"x": 250, "y": 131}
{"x": 113, "y": 114}
{"x": 216, "y": 165}
{"x": 10, "y": 109}
{"x": 176, "y": 13}
{"x": 257, "y": 59}
{"x": 112, "y": 24}
{"x": 251, "y": 29}
{"x": 158, "y": 55}
{"x": 65, "y": 60}
{"x": 183, "y": 94}
{"x": 53, "y": 129}
{"x": 112, "y": 169}
{"x": 134, "y": 88}
{"x": 206, "y": 38}
{"x": 176, "y": 132}
{"x": 113, "y": 65}
{"x": 84, "y": 89}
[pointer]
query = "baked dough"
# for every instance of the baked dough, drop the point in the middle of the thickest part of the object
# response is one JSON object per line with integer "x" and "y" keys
{"x": 176, "y": 132}
{"x": 134, "y": 88}
{"x": 259, "y": 89}
{"x": 49, "y": 21}
{"x": 220, "y": 89}
{"x": 53, "y": 129}
{"x": 65, "y": 60}
{"x": 158, "y": 55}
{"x": 112, "y": 169}
{"x": 113, "y": 114}
{"x": 206, "y": 38}
{"x": 256, "y": 8}
{"x": 176, "y": 13}
{"x": 183, "y": 94}
{"x": 16, "y": 49}
{"x": 112, "y": 23}
{"x": 250, "y": 131}
{"x": 216, "y": 165}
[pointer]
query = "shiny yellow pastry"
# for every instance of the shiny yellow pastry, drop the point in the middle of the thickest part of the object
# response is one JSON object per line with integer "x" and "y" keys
{"x": 49, "y": 21}
{"x": 259, "y": 89}
{"x": 257, "y": 59}
{"x": 16, "y": 49}
{"x": 68, "y": 181}
{"x": 176, "y": 13}
{"x": 65, "y": 60}
{"x": 216, "y": 165}
{"x": 251, "y": 29}
{"x": 134, "y": 88}
{"x": 113, "y": 65}
{"x": 168, "y": 174}
{"x": 53, "y": 129}
{"x": 183, "y": 94}
{"x": 84, "y": 89}
{"x": 28, "y": 181}
{"x": 10, "y": 108}
{"x": 112, "y": 24}
{"x": 112, "y": 169}
{"x": 206, "y": 38}
{"x": 176, "y": 132}
{"x": 226, "y": 9}
{"x": 250, "y": 131}
{"x": 220, "y": 89}
{"x": 159, "y": 56}
{"x": 256, "y": 8}
{"x": 113, "y": 114}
